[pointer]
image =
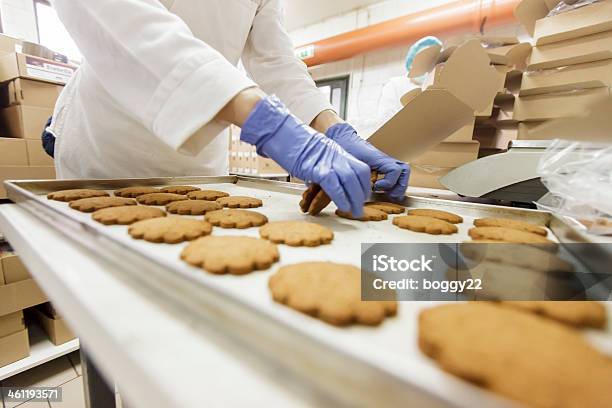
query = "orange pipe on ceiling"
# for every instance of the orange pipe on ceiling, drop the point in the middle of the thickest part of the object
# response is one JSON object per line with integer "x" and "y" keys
{"x": 463, "y": 15}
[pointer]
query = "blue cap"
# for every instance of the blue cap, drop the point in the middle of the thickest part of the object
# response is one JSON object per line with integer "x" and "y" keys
{"x": 424, "y": 42}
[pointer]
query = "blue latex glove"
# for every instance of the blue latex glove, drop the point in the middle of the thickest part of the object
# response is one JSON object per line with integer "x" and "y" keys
{"x": 307, "y": 154}
{"x": 396, "y": 172}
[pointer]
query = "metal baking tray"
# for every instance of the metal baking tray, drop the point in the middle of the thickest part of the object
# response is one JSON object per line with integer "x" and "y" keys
{"x": 353, "y": 366}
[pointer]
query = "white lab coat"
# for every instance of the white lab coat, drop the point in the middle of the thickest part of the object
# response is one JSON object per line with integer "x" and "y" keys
{"x": 392, "y": 92}
{"x": 156, "y": 73}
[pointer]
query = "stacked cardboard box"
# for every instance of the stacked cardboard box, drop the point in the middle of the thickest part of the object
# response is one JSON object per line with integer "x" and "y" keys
{"x": 244, "y": 160}
{"x": 17, "y": 292}
{"x": 53, "y": 324}
{"x": 570, "y": 67}
{"x": 29, "y": 87}
{"x": 434, "y": 130}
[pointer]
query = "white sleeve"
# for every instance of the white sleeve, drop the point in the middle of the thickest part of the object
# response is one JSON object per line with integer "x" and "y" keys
{"x": 148, "y": 59}
{"x": 270, "y": 60}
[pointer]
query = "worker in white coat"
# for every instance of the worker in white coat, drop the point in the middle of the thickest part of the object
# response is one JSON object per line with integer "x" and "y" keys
{"x": 159, "y": 84}
{"x": 398, "y": 86}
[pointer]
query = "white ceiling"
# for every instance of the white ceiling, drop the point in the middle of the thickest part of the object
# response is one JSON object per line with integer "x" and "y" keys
{"x": 299, "y": 13}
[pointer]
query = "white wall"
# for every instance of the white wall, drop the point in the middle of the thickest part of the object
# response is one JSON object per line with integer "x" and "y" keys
{"x": 18, "y": 19}
{"x": 369, "y": 72}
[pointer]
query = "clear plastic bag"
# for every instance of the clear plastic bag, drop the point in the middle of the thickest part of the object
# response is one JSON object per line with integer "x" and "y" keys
{"x": 569, "y": 5}
{"x": 578, "y": 176}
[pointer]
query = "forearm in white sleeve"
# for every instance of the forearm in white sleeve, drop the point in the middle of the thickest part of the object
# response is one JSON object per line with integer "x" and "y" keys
{"x": 148, "y": 59}
{"x": 270, "y": 60}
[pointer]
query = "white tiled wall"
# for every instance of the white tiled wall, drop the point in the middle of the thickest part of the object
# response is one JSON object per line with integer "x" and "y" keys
{"x": 18, "y": 19}
{"x": 369, "y": 72}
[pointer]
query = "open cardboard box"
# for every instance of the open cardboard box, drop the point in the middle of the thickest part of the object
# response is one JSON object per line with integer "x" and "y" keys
{"x": 428, "y": 176}
{"x": 581, "y": 50}
{"x": 55, "y": 327}
{"x": 467, "y": 84}
{"x": 18, "y": 290}
{"x": 582, "y": 76}
{"x": 558, "y": 105}
{"x": 495, "y": 137}
{"x": 579, "y": 22}
{"x": 449, "y": 154}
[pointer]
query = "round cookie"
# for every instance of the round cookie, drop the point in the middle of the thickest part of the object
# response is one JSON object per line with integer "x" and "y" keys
{"x": 296, "y": 233}
{"x": 236, "y": 218}
{"x": 439, "y": 214}
{"x": 76, "y": 194}
{"x": 369, "y": 214}
{"x": 169, "y": 230}
{"x": 98, "y": 203}
{"x": 507, "y": 235}
{"x": 126, "y": 215}
{"x": 160, "y": 198}
{"x": 230, "y": 254}
{"x": 328, "y": 291}
{"x": 208, "y": 195}
{"x": 240, "y": 202}
{"x": 389, "y": 208}
{"x": 427, "y": 225}
{"x": 533, "y": 360}
{"x": 573, "y": 313}
{"x": 133, "y": 192}
{"x": 179, "y": 189}
{"x": 511, "y": 224}
{"x": 192, "y": 207}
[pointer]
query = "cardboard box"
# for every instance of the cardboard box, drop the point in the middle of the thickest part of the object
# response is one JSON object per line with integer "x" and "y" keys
{"x": 582, "y": 76}
{"x": 449, "y": 154}
{"x": 428, "y": 176}
{"x": 464, "y": 134}
{"x": 8, "y": 43}
{"x": 21, "y": 91}
{"x": 471, "y": 84}
{"x": 510, "y": 55}
{"x": 36, "y": 154}
{"x": 13, "y": 152}
{"x": 560, "y": 105}
{"x": 17, "y": 65}
{"x": 24, "y": 173}
{"x": 23, "y": 121}
{"x": 13, "y": 269}
{"x": 591, "y": 19}
{"x": 14, "y": 347}
{"x": 56, "y": 328}
{"x": 20, "y": 295}
{"x": 264, "y": 166}
{"x": 495, "y": 138}
{"x": 581, "y": 50}
{"x": 11, "y": 323}
{"x": 528, "y": 131}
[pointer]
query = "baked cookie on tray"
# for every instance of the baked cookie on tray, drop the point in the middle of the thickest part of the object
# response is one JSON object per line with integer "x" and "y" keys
{"x": 133, "y": 192}
{"x": 507, "y": 235}
{"x": 535, "y": 361}
{"x": 389, "y": 208}
{"x": 439, "y": 214}
{"x": 126, "y": 215}
{"x": 369, "y": 214}
{"x": 208, "y": 195}
{"x": 328, "y": 291}
{"x": 76, "y": 194}
{"x": 296, "y": 233}
{"x": 574, "y": 313}
{"x": 235, "y": 218}
{"x": 428, "y": 225}
{"x": 192, "y": 207}
{"x": 169, "y": 230}
{"x": 230, "y": 254}
{"x": 511, "y": 224}
{"x": 160, "y": 198}
{"x": 179, "y": 189}
{"x": 240, "y": 202}
{"x": 98, "y": 203}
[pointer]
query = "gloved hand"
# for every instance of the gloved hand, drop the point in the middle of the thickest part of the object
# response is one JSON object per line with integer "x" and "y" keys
{"x": 396, "y": 173}
{"x": 307, "y": 154}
